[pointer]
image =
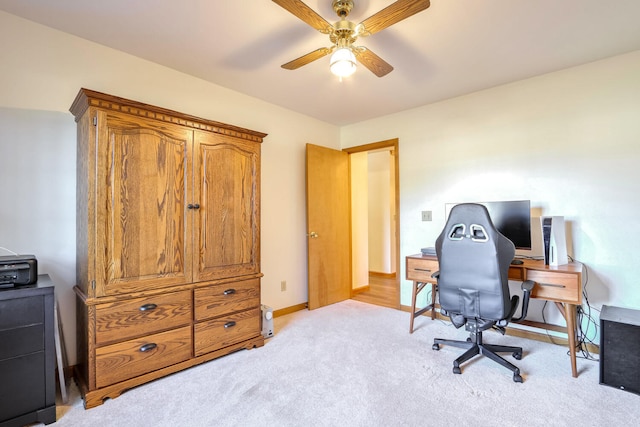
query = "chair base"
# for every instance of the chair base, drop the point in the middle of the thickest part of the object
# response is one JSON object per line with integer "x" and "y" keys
{"x": 475, "y": 346}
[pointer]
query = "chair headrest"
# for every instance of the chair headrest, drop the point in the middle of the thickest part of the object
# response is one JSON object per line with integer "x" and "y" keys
{"x": 470, "y": 221}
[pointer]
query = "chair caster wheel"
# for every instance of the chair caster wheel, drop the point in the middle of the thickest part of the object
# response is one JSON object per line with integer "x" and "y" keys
{"x": 517, "y": 378}
{"x": 456, "y": 370}
{"x": 517, "y": 355}
{"x": 435, "y": 347}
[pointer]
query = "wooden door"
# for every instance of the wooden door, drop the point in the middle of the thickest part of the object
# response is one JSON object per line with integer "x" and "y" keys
{"x": 141, "y": 227}
{"x": 328, "y": 226}
{"x": 227, "y": 221}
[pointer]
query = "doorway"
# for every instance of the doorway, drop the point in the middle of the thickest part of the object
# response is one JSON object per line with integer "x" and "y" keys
{"x": 375, "y": 200}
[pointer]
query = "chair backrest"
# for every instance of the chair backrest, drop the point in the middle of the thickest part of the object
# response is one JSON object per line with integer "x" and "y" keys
{"x": 474, "y": 261}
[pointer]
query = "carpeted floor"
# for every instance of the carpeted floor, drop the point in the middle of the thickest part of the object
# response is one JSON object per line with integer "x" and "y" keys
{"x": 355, "y": 364}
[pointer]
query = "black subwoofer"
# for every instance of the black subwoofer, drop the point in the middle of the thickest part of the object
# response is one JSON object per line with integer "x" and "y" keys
{"x": 620, "y": 348}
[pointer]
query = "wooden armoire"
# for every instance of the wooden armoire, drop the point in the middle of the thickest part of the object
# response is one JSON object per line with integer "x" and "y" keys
{"x": 168, "y": 242}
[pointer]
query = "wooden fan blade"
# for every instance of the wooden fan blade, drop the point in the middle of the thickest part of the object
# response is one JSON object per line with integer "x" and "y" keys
{"x": 373, "y": 62}
{"x": 395, "y": 12}
{"x": 309, "y": 57}
{"x": 306, "y": 14}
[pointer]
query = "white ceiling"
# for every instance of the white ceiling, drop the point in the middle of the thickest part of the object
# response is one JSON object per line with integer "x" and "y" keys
{"x": 452, "y": 48}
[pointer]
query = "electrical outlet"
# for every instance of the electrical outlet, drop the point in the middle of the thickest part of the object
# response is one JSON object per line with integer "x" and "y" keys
{"x": 283, "y": 286}
{"x": 426, "y": 215}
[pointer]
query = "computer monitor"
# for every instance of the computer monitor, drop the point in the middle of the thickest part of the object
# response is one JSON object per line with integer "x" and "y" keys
{"x": 512, "y": 218}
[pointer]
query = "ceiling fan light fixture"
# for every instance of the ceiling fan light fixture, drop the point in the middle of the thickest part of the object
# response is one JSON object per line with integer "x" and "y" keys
{"x": 343, "y": 62}
{"x": 344, "y": 33}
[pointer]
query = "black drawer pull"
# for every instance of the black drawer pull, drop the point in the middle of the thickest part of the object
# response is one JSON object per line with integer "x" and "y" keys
{"x": 148, "y": 307}
{"x": 229, "y": 292}
{"x": 193, "y": 206}
{"x": 148, "y": 347}
{"x": 229, "y": 325}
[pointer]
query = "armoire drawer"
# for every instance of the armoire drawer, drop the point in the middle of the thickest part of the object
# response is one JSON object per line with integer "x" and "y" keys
{"x": 121, "y": 361}
{"x": 221, "y": 332}
{"x": 122, "y": 320}
{"x": 218, "y": 300}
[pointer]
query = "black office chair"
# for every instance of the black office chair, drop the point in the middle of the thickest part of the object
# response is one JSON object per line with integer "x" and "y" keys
{"x": 473, "y": 284}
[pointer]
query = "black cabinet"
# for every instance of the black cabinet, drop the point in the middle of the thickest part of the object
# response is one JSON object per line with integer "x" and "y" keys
{"x": 620, "y": 348}
{"x": 27, "y": 354}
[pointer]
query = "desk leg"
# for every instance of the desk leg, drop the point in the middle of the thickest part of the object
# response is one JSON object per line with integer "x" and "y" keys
{"x": 413, "y": 305}
{"x": 571, "y": 332}
{"x": 434, "y": 289}
{"x": 568, "y": 311}
{"x": 417, "y": 287}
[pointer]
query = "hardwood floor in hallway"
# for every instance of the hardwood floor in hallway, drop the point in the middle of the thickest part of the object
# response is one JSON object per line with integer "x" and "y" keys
{"x": 382, "y": 291}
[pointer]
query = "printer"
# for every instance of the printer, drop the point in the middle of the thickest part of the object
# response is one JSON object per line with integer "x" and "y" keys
{"x": 16, "y": 270}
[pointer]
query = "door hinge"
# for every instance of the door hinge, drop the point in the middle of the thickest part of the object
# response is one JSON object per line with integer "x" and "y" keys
{"x": 95, "y": 120}
{"x": 93, "y": 285}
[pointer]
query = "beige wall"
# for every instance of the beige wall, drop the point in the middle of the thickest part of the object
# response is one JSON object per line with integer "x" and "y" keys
{"x": 569, "y": 141}
{"x": 359, "y": 219}
{"x": 372, "y": 215}
{"x": 381, "y": 202}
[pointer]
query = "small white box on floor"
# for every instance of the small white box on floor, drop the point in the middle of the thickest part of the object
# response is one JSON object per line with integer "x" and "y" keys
{"x": 267, "y": 321}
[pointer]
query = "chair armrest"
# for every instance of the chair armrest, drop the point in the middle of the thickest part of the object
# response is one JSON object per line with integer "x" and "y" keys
{"x": 527, "y": 287}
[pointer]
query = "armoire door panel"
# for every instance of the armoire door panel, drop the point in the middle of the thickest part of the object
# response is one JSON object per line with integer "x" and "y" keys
{"x": 144, "y": 240}
{"x": 227, "y": 188}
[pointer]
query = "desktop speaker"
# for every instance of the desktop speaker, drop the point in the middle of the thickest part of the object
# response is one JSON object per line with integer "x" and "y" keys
{"x": 554, "y": 241}
{"x": 267, "y": 321}
{"x": 620, "y": 348}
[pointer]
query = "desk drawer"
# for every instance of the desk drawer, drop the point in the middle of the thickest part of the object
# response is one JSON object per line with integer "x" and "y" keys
{"x": 517, "y": 274}
{"x": 119, "y": 362}
{"x": 556, "y": 286}
{"x": 421, "y": 269}
{"x": 122, "y": 320}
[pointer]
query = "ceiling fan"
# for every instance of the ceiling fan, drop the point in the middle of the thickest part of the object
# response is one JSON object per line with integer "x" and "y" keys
{"x": 344, "y": 33}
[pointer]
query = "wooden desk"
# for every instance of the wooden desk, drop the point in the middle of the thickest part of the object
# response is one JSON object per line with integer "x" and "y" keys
{"x": 561, "y": 285}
